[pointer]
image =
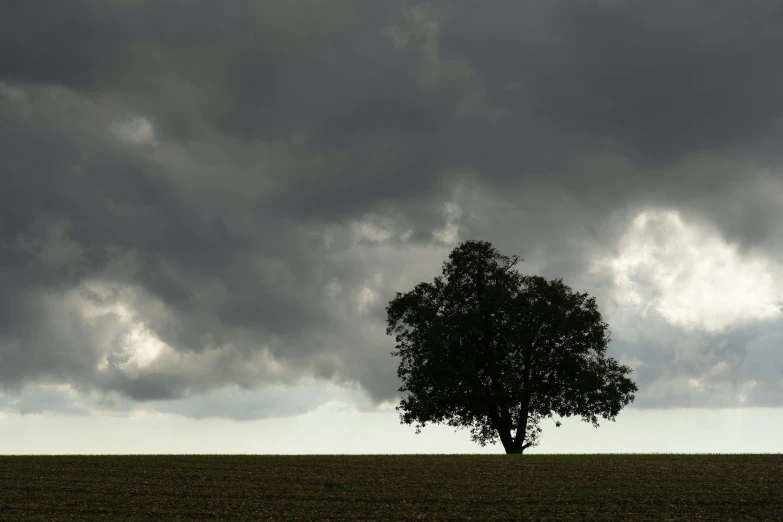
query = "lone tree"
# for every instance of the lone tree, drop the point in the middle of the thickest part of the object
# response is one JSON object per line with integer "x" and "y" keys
{"x": 490, "y": 349}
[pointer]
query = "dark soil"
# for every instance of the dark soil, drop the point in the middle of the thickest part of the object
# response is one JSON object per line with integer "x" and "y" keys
{"x": 393, "y": 487}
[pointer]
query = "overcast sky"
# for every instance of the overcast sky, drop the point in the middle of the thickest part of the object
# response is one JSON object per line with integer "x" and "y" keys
{"x": 206, "y": 206}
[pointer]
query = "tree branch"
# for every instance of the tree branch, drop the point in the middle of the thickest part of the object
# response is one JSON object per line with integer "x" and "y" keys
{"x": 536, "y": 335}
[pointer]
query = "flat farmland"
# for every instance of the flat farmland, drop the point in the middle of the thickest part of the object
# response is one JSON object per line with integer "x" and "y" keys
{"x": 392, "y": 487}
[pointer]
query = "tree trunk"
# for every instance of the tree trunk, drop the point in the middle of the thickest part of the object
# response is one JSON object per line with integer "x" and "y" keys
{"x": 513, "y": 447}
{"x": 517, "y": 445}
{"x": 504, "y": 431}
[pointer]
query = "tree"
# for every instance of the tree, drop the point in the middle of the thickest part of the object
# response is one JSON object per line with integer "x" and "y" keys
{"x": 487, "y": 348}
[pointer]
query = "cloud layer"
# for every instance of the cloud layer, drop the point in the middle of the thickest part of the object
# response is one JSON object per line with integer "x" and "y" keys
{"x": 195, "y": 197}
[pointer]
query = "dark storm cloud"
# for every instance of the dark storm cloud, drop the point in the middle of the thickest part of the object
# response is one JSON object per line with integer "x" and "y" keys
{"x": 664, "y": 80}
{"x": 250, "y": 182}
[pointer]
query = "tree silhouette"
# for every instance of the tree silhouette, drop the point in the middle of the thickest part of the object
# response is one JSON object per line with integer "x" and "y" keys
{"x": 487, "y": 348}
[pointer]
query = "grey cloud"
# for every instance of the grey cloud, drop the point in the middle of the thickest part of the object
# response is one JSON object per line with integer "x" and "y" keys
{"x": 663, "y": 80}
{"x": 39, "y": 400}
{"x": 231, "y": 225}
{"x": 227, "y": 402}
{"x": 245, "y": 406}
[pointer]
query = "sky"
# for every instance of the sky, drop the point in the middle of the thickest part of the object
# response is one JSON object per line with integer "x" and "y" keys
{"x": 205, "y": 208}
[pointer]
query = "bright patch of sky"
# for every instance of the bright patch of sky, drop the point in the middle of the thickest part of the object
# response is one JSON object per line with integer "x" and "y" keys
{"x": 137, "y": 130}
{"x": 139, "y": 346}
{"x": 690, "y": 275}
{"x": 449, "y": 234}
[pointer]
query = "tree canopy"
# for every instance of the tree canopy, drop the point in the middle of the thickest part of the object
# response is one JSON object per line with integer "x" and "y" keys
{"x": 487, "y": 348}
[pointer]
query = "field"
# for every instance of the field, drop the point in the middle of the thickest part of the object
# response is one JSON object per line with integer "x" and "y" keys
{"x": 389, "y": 487}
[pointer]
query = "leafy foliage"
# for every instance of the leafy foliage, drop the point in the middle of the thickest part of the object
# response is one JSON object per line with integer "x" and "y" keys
{"x": 487, "y": 348}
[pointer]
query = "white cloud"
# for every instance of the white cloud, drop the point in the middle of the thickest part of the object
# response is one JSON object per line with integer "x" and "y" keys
{"x": 365, "y": 299}
{"x": 139, "y": 347}
{"x": 449, "y": 234}
{"x": 689, "y": 275}
{"x": 137, "y": 130}
{"x": 372, "y": 232}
